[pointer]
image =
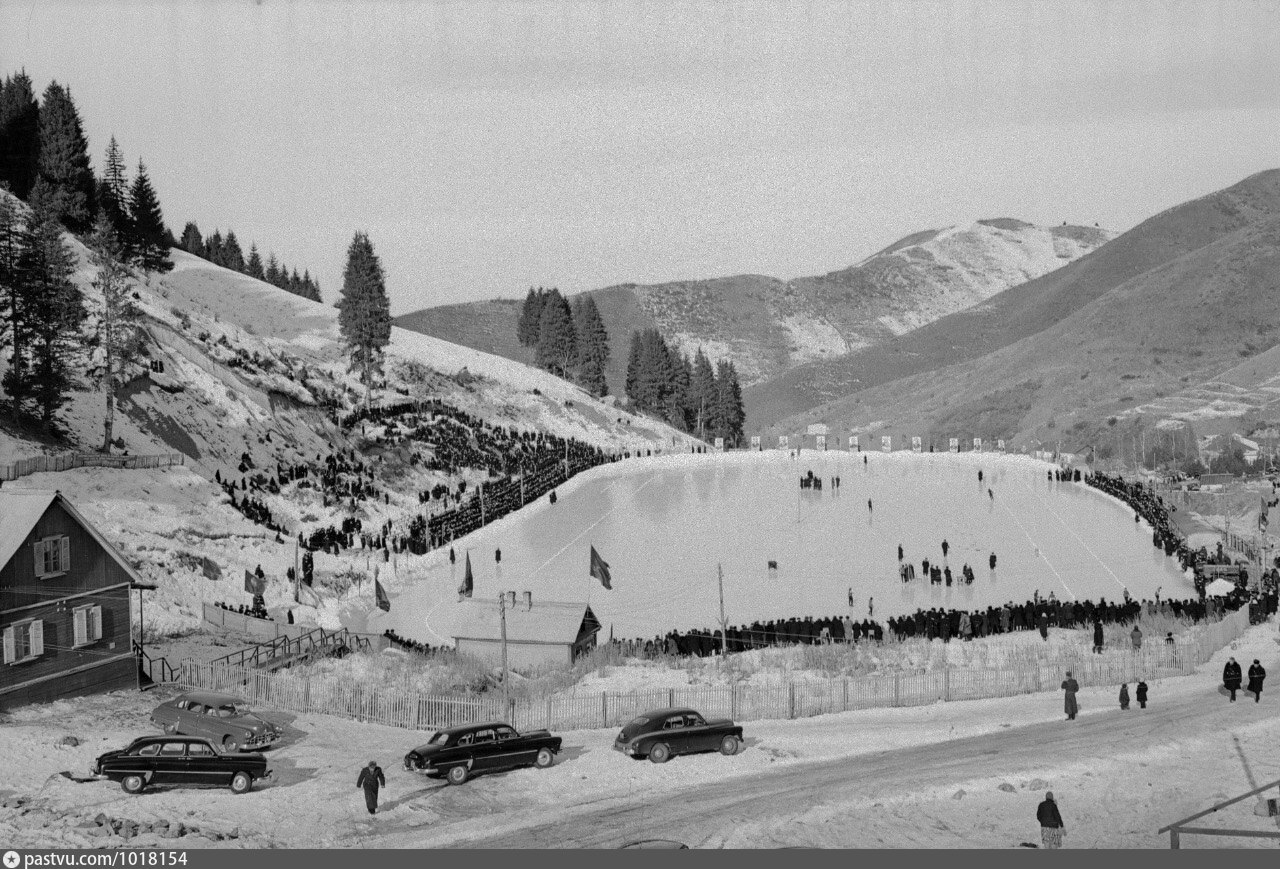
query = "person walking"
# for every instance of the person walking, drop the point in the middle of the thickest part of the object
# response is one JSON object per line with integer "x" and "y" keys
{"x": 1136, "y": 637}
{"x": 1097, "y": 637}
{"x": 1256, "y": 675}
{"x": 1051, "y": 828}
{"x": 1231, "y": 677}
{"x": 370, "y": 779}
{"x": 1124, "y": 697}
{"x": 1141, "y": 694}
{"x": 1070, "y": 688}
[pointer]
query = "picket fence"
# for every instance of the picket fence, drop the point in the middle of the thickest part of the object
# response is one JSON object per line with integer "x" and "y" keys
{"x": 397, "y": 707}
{"x": 68, "y": 461}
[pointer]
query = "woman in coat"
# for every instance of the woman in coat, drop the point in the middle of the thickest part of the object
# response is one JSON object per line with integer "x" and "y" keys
{"x": 1070, "y": 686}
{"x": 1142, "y": 695}
{"x": 1256, "y": 675}
{"x": 1124, "y": 696}
{"x": 1231, "y": 677}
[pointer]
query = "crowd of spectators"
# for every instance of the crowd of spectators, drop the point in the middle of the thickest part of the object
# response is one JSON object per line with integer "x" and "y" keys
{"x": 412, "y": 645}
{"x": 257, "y": 610}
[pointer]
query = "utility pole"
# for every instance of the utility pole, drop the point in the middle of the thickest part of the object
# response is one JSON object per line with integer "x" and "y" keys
{"x": 724, "y": 637}
{"x": 502, "y": 613}
{"x": 297, "y": 570}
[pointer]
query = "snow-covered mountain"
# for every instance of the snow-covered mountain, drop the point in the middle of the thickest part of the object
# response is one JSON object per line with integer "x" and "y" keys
{"x": 767, "y": 326}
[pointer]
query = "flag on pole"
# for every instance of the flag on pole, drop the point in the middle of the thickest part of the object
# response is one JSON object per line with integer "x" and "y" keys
{"x": 1262, "y": 516}
{"x": 600, "y": 569}
{"x": 253, "y": 584}
{"x": 384, "y": 602}
{"x": 468, "y": 582}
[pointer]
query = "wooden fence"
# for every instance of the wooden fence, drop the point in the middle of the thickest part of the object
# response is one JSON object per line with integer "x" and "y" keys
{"x": 68, "y": 461}
{"x": 397, "y": 707}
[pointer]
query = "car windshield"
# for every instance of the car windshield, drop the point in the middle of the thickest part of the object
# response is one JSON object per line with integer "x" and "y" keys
{"x": 440, "y": 738}
{"x": 239, "y": 708}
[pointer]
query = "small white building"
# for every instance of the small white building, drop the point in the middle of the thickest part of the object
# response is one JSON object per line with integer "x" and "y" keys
{"x": 539, "y": 633}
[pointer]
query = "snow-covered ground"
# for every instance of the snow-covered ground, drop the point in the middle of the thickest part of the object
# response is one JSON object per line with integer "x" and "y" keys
{"x": 1109, "y": 798}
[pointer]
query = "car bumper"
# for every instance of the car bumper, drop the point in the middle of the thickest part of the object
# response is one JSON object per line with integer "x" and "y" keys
{"x": 262, "y": 741}
{"x": 629, "y": 750}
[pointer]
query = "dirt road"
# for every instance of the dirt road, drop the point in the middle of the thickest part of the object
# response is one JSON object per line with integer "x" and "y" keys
{"x": 707, "y": 815}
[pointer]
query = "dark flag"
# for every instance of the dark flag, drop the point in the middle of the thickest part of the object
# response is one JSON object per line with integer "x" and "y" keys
{"x": 384, "y": 602}
{"x": 468, "y": 582}
{"x": 254, "y": 584}
{"x": 1262, "y": 517}
{"x": 600, "y": 569}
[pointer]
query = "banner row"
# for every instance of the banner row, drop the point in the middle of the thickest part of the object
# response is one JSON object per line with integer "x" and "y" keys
{"x": 886, "y": 443}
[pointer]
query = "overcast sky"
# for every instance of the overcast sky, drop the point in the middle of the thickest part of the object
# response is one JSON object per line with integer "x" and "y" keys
{"x": 488, "y": 146}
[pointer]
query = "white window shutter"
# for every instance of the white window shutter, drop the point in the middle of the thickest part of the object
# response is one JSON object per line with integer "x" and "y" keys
{"x": 38, "y": 549}
{"x": 80, "y": 626}
{"x": 10, "y": 646}
{"x": 37, "y": 638}
{"x": 95, "y": 624}
{"x": 64, "y": 544}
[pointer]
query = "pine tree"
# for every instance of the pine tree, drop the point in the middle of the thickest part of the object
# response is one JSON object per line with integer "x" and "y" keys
{"x": 310, "y": 289}
{"x": 702, "y": 394}
{"x": 364, "y": 312}
{"x": 633, "y": 367}
{"x": 149, "y": 244}
{"x": 295, "y": 284}
{"x": 272, "y": 274}
{"x": 282, "y": 279}
{"x": 729, "y": 415}
{"x": 530, "y": 317}
{"x": 113, "y": 194}
{"x": 52, "y": 313}
{"x": 677, "y": 396}
{"x": 593, "y": 339}
{"x": 557, "y": 342}
{"x": 232, "y": 256}
{"x": 118, "y": 337}
{"x": 213, "y": 248}
{"x": 63, "y": 160}
{"x": 253, "y": 267}
{"x": 19, "y": 135}
{"x": 192, "y": 242}
{"x": 11, "y": 312}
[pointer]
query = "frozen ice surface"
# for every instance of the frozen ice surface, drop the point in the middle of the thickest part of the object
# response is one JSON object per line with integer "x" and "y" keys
{"x": 664, "y": 525}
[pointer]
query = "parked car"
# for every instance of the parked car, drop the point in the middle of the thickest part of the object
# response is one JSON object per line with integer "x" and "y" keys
{"x": 663, "y": 733}
{"x": 180, "y": 760}
{"x": 221, "y": 717}
{"x": 460, "y": 752}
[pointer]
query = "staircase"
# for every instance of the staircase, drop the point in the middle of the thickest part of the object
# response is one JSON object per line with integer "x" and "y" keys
{"x": 152, "y": 671}
{"x": 286, "y": 651}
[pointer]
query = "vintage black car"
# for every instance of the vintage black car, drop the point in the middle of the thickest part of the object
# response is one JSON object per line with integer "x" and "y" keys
{"x": 663, "y": 733}
{"x": 461, "y": 752}
{"x": 180, "y": 760}
{"x": 225, "y": 719}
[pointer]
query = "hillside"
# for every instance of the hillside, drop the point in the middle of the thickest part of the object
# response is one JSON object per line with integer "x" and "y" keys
{"x": 767, "y": 325}
{"x": 1166, "y": 320}
{"x": 250, "y": 371}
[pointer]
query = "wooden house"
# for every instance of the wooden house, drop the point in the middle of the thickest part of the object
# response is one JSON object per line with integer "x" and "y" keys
{"x": 538, "y": 632}
{"x": 65, "y": 609}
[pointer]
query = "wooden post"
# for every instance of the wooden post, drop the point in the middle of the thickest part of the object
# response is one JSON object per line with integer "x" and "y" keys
{"x": 844, "y": 706}
{"x": 791, "y": 691}
{"x": 724, "y": 637}
{"x": 604, "y": 708}
{"x": 1174, "y": 844}
{"x": 502, "y": 613}
{"x": 897, "y": 689}
{"x": 946, "y": 684}
{"x": 671, "y": 697}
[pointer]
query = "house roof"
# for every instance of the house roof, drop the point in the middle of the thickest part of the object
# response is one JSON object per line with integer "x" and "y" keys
{"x": 20, "y": 510}
{"x": 545, "y": 622}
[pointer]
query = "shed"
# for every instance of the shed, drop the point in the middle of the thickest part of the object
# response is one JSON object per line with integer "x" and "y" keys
{"x": 538, "y": 632}
{"x": 64, "y": 603}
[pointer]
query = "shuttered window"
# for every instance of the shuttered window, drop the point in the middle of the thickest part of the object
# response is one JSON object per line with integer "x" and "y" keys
{"x": 23, "y": 641}
{"x": 86, "y": 625}
{"x": 52, "y": 556}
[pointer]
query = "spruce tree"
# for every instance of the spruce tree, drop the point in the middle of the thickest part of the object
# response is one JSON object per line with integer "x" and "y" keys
{"x": 149, "y": 246}
{"x": 364, "y": 312}
{"x": 677, "y": 396}
{"x": 633, "y": 367}
{"x": 192, "y": 242}
{"x": 729, "y": 415}
{"x": 19, "y": 135}
{"x": 272, "y": 274}
{"x": 11, "y": 312}
{"x": 113, "y": 194}
{"x": 557, "y": 342}
{"x": 593, "y": 341}
{"x": 118, "y": 336}
{"x": 63, "y": 160}
{"x": 530, "y": 317}
{"x": 310, "y": 289}
{"x": 253, "y": 268}
{"x": 702, "y": 394}
{"x": 52, "y": 308}
{"x": 213, "y": 248}
{"x": 232, "y": 256}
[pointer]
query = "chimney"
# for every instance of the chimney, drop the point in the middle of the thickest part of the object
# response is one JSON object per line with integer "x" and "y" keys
{"x": 511, "y": 600}
{"x": 528, "y": 601}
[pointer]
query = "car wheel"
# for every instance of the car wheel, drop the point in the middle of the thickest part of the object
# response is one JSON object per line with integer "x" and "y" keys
{"x": 133, "y": 784}
{"x": 241, "y": 783}
{"x": 229, "y": 743}
{"x": 544, "y": 759}
{"x": 729, "y": 745}
{"x": 659, "y": 753}
{"x": 458, "y": 774}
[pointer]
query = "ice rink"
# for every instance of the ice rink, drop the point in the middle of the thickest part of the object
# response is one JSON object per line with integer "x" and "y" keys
{"x": 664, "y": 525}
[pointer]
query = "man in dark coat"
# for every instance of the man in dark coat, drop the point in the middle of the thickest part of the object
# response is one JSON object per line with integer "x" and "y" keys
{"x": 370, "y": 779}
{"x": 1050, "y": 822}
{"x": 1071, "y": 687}
{"x": 1141, "y": 695}
{"x": 1256, "y": 675}
{"x": 1097, "y": 637}
{"x": 1231, "y": 677}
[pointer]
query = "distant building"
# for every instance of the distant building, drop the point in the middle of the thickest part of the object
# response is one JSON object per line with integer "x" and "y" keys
{"x": 64, "y": 603}
{"x": 538, "y": 632}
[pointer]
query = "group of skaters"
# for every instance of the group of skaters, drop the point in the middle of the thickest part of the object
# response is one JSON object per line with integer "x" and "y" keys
{"x": 810, "y": 481}
{"x": 938, "y": 574}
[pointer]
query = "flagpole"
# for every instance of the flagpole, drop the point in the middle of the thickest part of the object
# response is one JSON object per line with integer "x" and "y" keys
{"x": 296, "y": 572}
